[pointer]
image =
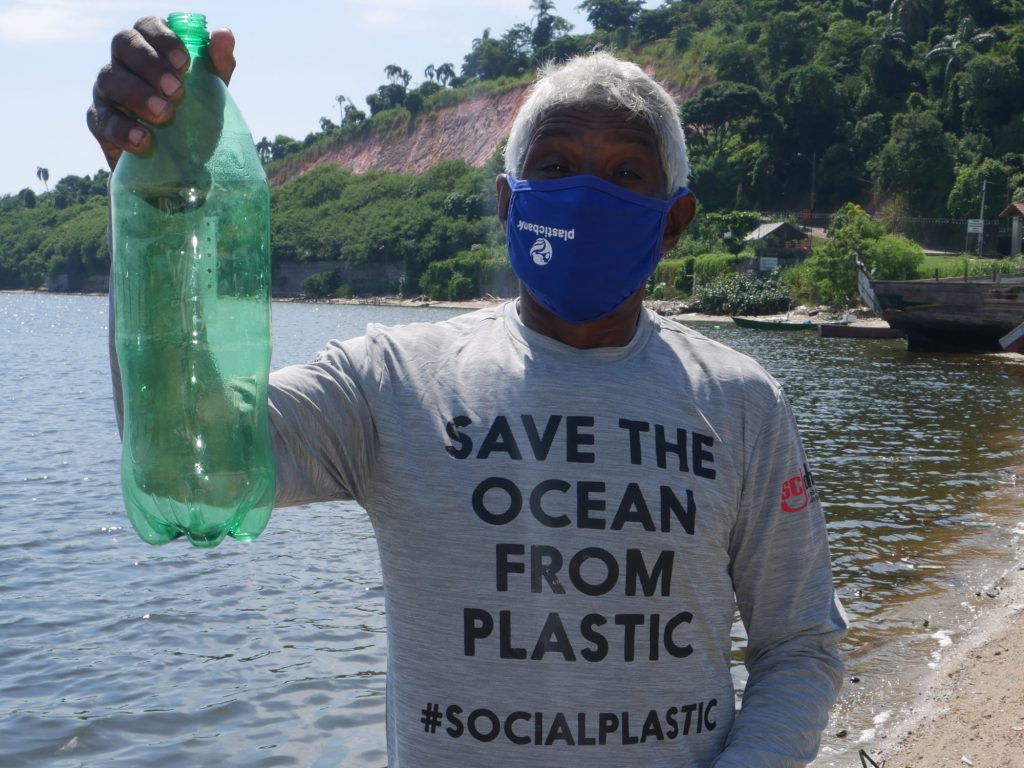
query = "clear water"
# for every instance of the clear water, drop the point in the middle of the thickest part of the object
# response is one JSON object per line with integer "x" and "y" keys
{"x": 271, "y": 653}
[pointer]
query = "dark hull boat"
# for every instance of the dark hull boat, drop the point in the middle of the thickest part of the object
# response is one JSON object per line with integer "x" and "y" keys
{"x": 948, "y": 314}
{"x": 773, "y": 325}
{"x": 851, "y": 331}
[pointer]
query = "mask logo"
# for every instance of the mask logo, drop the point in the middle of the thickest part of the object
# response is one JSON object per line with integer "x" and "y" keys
{"x": 541, "y": 251}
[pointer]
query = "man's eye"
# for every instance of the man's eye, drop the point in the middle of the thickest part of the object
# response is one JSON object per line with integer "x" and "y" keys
{"x": 556, "y": 168}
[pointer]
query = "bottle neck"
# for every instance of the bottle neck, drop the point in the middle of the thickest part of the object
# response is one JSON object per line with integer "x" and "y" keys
{"x": 191, "y": 30}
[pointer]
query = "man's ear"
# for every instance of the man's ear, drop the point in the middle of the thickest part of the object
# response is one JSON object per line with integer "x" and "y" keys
{"x": 504, "y": 198}
{"x": 679, "y": 217}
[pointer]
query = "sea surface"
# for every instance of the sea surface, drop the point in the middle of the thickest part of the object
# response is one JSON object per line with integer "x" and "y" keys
{"x": 116, "y": 653}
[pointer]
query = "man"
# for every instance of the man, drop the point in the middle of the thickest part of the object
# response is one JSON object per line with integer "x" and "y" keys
{"x": 567, "y": 490}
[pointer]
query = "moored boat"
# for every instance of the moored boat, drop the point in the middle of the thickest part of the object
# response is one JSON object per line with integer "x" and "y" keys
{"x": 959, "y": 314}
{"x": 853, "y": 331}
{"x": 773, "y": 325}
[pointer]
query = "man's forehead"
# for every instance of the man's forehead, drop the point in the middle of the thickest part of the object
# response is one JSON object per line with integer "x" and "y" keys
{"x": 566, "y": 121}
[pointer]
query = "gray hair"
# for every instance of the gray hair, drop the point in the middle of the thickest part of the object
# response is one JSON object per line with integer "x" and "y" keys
{"x": 600, "y": 81}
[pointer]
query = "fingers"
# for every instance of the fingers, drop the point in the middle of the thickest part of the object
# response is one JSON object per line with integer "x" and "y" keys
{"x": 143, "y": 81}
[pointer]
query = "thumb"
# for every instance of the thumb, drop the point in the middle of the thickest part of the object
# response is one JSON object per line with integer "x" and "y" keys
{"x": 222, "y": 53}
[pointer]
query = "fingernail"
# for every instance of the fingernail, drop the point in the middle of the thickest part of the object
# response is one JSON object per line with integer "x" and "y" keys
{"x": 136, "y": 136}
{"x": 178, "y": 58}
{"x": 156, "y": 105}
{"x": 170, "y": 85}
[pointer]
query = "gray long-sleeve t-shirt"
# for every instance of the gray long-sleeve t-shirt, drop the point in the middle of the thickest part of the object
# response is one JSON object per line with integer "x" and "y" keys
{"x": 564, "y": 535}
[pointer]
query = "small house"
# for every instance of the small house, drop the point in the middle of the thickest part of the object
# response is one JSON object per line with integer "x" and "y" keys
{"x": 778, "y": 245}
{"x": 1015, "y": 213}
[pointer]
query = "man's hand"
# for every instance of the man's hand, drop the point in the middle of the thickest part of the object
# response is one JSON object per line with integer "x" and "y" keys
{"x": 143, "y": 81}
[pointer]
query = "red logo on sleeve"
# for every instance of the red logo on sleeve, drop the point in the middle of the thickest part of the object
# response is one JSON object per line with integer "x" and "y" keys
{"x": 798, "y": 492}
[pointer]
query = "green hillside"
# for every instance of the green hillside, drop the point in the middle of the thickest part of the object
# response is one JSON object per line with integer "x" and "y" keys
{"x": 907, "y": 107}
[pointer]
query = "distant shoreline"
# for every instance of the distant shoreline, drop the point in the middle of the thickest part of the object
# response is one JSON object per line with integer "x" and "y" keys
{"x": 673, "y": 309}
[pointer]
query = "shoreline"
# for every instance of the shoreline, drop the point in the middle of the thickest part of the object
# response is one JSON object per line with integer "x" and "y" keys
{"x": 970, "y": 709}
{"x": 964, "y": 706}
{"x": 674, "y": 309}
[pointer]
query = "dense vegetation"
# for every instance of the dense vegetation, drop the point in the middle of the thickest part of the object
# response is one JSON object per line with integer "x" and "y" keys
{"x": 910, "y": 108}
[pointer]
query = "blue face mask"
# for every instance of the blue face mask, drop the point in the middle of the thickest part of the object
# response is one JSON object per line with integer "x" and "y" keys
{"x": 582, "y": 245}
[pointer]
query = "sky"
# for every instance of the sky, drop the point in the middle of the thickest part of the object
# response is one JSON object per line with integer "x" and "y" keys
{"x": 294, "y": 59}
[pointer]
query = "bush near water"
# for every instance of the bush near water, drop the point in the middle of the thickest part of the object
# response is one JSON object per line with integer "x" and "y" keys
{"x": 903, "y": 106}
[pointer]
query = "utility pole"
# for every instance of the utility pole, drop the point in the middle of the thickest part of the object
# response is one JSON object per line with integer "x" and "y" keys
{"x": 813, "y": 160}
{"x": 981, "y": 215}
{"x": 814, "y": 173}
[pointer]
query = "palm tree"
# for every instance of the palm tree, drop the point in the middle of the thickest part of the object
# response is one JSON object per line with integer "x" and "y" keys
{"x": 893, "y": 38}
{"x": 914, "y": 17}
{"x": 430, "y": 73}
{"x": 955, "y": 48}
{"x": 394, "y": 73}
{"x": 445, "y": 73}
{"x": 44, "y": 176}
{"x": 265, "y": 149}
{"x": 543, "y": 22}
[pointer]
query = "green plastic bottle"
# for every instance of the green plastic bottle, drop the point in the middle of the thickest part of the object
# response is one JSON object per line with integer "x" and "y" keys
{"x": 191, "y": 274}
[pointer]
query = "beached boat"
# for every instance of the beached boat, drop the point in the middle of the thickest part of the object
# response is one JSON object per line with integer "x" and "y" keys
{"x": 958, "y": 314}
{"x": 1014, "y": 340}
{"x": 853, "y": 331}
{"x": 773, "y": 325}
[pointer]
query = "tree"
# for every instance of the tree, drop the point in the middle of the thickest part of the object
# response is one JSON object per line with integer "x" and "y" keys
{"x": 543, "y": 22}
{"x": 610, "y": 15}
{"x": 43, "y": 175}
{"x": 738, "y": 62}
{"x": 284, "y": 146}
{"x": 916, "y": 164}
{"x": 491, "y": 58}
{"x": 265, "y": 149}
{"x": 956, "y": 48}
{"x": 789, "y": 38}
{"x": 722, "y": 110}
{"x": 833, "y": 266}
{"x": 395, "y": 75}
{"x": 989, "y": 92}
{"x": 892, "y": 257}
{"x": 387, "y": 97}
{"x": 913, "y": 17}
{"x": 353, "y": 116}
{"x": 812, "y": 107}
{"x": 965, "y": 196}
{"x": 889, "y": 77}
{"x": 445, "y": 73}
{"x": 843, "y": 45}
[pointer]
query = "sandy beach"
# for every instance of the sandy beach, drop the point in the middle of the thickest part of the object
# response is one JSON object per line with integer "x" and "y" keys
{"x": 970, "y": 712}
